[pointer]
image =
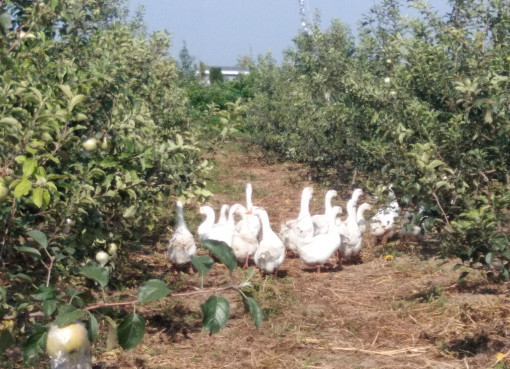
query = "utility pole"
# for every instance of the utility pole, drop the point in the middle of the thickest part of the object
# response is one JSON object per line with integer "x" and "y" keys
{"x": 304, "y": 19}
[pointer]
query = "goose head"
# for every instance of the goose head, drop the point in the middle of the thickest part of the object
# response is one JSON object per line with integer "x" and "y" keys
{"x": 307, "y": 192}
{"x": 331, "y": 193}
{"x": 357, "y": 194}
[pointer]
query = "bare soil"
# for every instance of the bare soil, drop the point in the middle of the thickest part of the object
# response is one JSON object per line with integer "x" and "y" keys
{"x": 409, "y": 312}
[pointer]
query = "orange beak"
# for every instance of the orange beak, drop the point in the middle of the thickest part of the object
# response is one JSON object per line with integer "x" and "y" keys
{"x": 249, "y": 211}
{"x": 198, "y": 213}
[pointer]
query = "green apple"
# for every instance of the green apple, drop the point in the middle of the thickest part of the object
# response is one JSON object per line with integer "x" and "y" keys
{"x": 90, "y": 145}
{"x": 105, "y": 145}
{"x": 102, "y": 258}
{"x": 112, "y": 249}
{"x": 67, "y": 340}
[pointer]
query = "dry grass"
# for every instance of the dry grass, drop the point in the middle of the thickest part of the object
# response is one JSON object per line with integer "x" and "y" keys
{"x": 407, "y": 313}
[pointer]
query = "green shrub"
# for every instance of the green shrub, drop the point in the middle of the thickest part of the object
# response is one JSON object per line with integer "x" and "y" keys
{"x": 421, "y": 103}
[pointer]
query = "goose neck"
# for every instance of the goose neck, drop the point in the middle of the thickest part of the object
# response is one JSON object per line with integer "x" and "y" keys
{"x": 210, "y": 217}
{"x": 249, "y": 191}
{"x": 327, "y": 204}
{"x": 305, "y": 206}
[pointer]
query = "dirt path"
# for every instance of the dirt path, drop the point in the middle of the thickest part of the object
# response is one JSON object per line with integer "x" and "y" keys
{"x": 406, "y": 313}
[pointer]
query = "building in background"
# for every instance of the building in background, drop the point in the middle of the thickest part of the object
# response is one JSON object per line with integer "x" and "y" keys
{"x": 229, "y": 73}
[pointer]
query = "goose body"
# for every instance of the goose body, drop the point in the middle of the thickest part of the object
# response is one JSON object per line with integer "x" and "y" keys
{"x": 356, "y": 194}
{"x": 244, "y": 241}
{"x": 182, "y": 245}
{"x": 253, "y": 222}
{"x": 217, "y": 232}
{"x": 360, "y": 217}
{"x": 350, "y": 233}
{"x": 271, "y": 251}
{"x": 223, "y": 215}
{"x": 299, "y": 231}
{"x": 321, "y": 247}
{"x": 321, "y": 221}
{"x": 383, "y": 222}
{"x": 411, "y": 227}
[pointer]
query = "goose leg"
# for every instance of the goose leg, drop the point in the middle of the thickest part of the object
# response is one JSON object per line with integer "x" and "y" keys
{"x": 190, "y": 270}
{"x": 174, "y": 270}
{"x": 318, "y": 269}
{"x": 275, "y": 273}
{"x": 246, "y": 262}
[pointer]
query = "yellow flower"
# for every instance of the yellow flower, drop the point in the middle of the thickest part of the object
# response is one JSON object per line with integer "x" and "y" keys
{"x": 388, "y": 257}
{"x": 6, "y": 325}
{"x": 500, "y": 356}
{"x": 287, "y": 201}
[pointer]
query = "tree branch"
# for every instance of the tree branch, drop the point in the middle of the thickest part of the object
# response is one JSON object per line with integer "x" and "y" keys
{"x": 441, "y": 208}
{"x": 134, "y": 302}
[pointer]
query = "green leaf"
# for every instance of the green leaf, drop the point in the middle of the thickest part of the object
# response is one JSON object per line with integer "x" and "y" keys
{"x": 112, "y": 340}
{"x": 12, "y": 122}
{"x": 49, "y": 307}
{"x": 39, "y": 237}
{"x": 92, "y": 327}
{"x": 489, "y": 258}
{"x": 21, "y": 276}
{"x": 46, "y": 197}
{"x": 131, "y": 331}
{"x": 6, "y": 340}
{"x": 202, "y": 263}
{"x": 108, "y": 163}
{"x": 456, "y": 266}
{"x": 80, "y": 117}
{"x": 222, "y": 252}
{"x": 130, "y": 212}
{"x": 35, "y": 344}
{"x": 96, "y": 273}
{"x": 53, "y": 5}
{"x": 29, "y": 167}
{"x": 253, "y": 307}
{"x": 179, "y": 139}
{"x": 441, "y": 184}
{"x": 435, "y": 163}
{"x": 76, "y": 100}
{"x": 5, "y": 21}
{"x": 38, "y": 196}
{"x": 23, "y": 188}
{"x": 152, "y": 290}
{"x": 67, "y": 90}
{"x": 68, "y": 314}
{"x": 45, "y": 293}
{"x": 251, "y": 274}
{"x": 30, "y": 251}
{"x": 216, "y": 312}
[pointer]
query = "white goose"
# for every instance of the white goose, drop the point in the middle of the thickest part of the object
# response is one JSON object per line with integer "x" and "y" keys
{"x": 182, "y": 245}
{"x": 383, "y": 222}
{"x": 321, "y": 221}
{"x": 299, "y": 231}
{"x": 244, "y": 242}
{"x": 411, "y": 226}
{"x": 218, "y": 232}
{"x": 350, "y": 234}
{"x": 360, "y": 217}
{"x": 271, "y": 251}
{"x": 223, "y": 214}
{"x": 321, "y": 247}
{"x": 356, "y": 194}
{"x": 253, "y": 221}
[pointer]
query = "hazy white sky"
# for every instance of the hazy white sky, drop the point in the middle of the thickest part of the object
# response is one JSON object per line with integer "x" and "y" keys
{"x": 219, "y": 31}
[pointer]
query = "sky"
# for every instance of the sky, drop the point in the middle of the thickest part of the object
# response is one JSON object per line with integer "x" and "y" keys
{"x": 217, "y": 32}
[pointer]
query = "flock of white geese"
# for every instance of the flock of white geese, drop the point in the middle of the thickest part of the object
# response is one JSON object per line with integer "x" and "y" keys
{"x": 314, "y": 238}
